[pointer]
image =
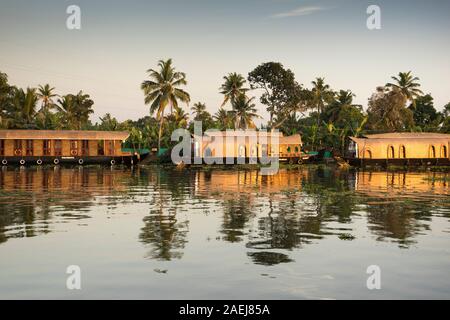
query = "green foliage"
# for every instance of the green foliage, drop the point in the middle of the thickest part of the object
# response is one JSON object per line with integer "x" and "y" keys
{"x": 387, "y": 111}
{"x": 281, "y": 93}
{"x": 425, "y": 115}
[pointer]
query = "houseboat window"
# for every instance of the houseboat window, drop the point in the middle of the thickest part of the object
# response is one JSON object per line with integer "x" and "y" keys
{"x": 47, "y": 147}
{"x": 85, "y": 147}
{"x": 391, "y": 152}
{"x": 58, "y": 148}
{"x": 368, "y": 154}
{"x": 402, "y": 152}
{"x": 18, "y": 147}
{"x": 101, "y": 148}
{"x": 432, "y": 152}
{"x": 288, "y": 149}
{"x": 29, "y": 144}
{"x": 110, "y": 147}
{"x": 2, "y": 147}
{"x": 296, "y": 149}
{"x": 73, "y": 147}
{"x": 443, "y": 152}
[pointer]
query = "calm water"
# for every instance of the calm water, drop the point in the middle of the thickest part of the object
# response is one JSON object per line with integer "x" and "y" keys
{"x": 160, "y": 233}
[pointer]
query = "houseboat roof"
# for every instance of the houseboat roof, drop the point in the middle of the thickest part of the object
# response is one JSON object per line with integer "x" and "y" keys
{"x": 402, "y": 136}
{"x": 239, "y": 133}
{"x": 294, "y": 139}
{"x": 408, "y": 135}
{"x": 63, "y": 135}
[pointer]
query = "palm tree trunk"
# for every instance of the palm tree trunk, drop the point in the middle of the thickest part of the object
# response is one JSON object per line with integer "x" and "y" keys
{"x": 159, "y": 135}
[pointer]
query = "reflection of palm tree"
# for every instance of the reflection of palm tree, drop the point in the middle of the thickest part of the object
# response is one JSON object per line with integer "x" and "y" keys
{"x": 237, "y": 213}
{"x": 165, "y": 234}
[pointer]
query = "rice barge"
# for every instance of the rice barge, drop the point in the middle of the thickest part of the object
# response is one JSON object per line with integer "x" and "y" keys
{"x": 402, "y": 149}
{"x": 39, "y": 147}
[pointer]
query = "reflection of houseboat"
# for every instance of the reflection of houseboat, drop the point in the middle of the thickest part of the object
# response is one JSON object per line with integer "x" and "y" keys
{"x": 37, "y": 147}
{"x": 402, "y": 184}
{"x": 246, "y": 145}
{"x": 400, "y": 149}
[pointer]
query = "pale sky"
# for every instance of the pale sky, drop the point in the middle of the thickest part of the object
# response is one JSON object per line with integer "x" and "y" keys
{"x": 207, "y": 39}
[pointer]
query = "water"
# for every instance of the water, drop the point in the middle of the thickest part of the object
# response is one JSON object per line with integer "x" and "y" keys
{"x": 160, "y": 233}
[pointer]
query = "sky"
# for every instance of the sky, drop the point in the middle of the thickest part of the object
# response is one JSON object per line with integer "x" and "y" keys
{"x": 207, "y": 39}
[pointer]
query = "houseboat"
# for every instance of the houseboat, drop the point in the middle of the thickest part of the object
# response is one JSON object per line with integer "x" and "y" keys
{"x": 38, "y": 147}
{"x": 246, "y": 145}
{"x": 429, "y": 149}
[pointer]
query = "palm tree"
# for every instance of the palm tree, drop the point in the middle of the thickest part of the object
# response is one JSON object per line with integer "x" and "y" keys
{"x": 321, "y": 95}
{"x": 408, "y": 85}
{"x": 198, "y": 109}
{"x": 179, "y": 118}
{"x": 343, "y": 99}
{"x": 233, "y": 87}
{"x": 108, "y": 123}
{"x": 83, "y": 105}
{"x": 66, "y": 107}
{"x": 223, "y": 118}
{"x": 45, "y": 95}
{"x": 163, "y": 89}
{"x": 24, "y": 108}
{"x": 244, "y": 112}
{"x": 75, "y": 110}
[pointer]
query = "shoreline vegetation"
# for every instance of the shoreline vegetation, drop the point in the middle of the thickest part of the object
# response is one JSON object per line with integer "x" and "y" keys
{"x": 324, "y": 117}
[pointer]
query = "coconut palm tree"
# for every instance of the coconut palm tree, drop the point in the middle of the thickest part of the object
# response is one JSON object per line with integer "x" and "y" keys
{"x": 23, "y": 108}
{"x": 407, "y": 85}
{"x": 45, "y": 95}
{"x": 233, "y": 87}
{"x": 75, "y": 110}
{"x": 66, "y": 107}
{"x": 343, "y": 99}
{"x": 163, "y": 90}
{"x": 108, "y": 123}
{"x": 322, "y": 94}
{"x": 243, "y": 113}
{"x": 83, "y": 105}
{"x": 198, "y": 109}
{"x": 178, "y": 118}
{"x": 223, "y": 119}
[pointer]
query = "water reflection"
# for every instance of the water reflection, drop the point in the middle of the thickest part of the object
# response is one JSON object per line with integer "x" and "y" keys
{"x": 269, "y": 215}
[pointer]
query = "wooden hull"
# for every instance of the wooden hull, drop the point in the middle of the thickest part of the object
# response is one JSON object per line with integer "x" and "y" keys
{"x": 52, "y": 160}
{"x": 399, "y": 162}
